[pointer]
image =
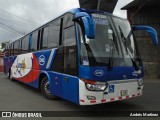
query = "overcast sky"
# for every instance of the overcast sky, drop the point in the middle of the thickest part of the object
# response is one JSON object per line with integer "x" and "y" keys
{"x": 18, "y": 17}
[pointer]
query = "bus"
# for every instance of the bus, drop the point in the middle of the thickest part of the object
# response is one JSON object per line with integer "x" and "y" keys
{"x": 84, "y": 56}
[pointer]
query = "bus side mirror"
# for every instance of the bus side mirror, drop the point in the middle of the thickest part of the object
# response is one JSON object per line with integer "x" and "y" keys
{"x": 150, "y": 30}
{"x": 89, "y": 24}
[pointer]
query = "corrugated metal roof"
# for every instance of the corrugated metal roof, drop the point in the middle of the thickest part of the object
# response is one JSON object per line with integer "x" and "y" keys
{"x": 104, "y": 5}
{"x": 147, "y": 4}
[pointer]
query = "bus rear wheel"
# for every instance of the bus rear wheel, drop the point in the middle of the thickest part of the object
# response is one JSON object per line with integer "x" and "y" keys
{"x": 45, "y": 89}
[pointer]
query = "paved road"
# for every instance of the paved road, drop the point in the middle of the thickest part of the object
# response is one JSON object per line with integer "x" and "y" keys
{"x": 15, "y": 96}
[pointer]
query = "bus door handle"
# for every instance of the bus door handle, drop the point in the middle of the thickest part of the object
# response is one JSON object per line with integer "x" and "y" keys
{"x": 66, "y": 79}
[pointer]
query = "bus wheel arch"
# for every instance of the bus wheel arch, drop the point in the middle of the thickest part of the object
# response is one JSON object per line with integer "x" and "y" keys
{"x": 41, "y": 76}
{"x": 44, "y": 86}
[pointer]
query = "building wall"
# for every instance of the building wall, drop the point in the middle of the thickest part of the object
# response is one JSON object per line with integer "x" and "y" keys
{"x": 1, "y": 63}
{"x": 150, "y": 54}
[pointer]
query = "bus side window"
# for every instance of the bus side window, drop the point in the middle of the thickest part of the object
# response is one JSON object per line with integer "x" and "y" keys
{"x": 34, "y": 41}
{"x": 44, "y": 38}
{"x": 16, "y": 47}
{"x": 70, "y": 51}
{"x": 68, "y": 20}
{"x": 20, "y": 46}
{"x": 12, "y": 49}
{"x": 8, "y": 51}
{"x": 25, "y": 44}
{"x": 58, "y": 64}
{"x": 53, "y": 35}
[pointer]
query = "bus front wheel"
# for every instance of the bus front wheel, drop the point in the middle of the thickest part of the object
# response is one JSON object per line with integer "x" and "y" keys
{"x": 45, "y": 89}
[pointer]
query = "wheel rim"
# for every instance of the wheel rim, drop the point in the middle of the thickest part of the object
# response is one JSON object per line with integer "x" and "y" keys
{"x": 46, "y": 88}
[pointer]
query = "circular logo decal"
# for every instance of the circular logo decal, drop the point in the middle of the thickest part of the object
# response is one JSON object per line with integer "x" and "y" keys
{"x": 42, "y": 60}
{"x": 98, "y": 73}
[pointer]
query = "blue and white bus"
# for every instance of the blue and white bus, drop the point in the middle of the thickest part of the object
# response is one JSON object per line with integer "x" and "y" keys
{"x": 84, "y": 56}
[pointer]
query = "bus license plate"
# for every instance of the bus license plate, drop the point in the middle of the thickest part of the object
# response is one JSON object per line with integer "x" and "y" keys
{"x": 124, "y": 92}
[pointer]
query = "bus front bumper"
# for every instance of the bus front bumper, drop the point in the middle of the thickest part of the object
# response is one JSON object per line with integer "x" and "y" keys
{"x": 116, "y": 90}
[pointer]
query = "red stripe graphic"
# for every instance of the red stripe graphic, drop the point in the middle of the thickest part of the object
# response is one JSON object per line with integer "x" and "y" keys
{"x": 33, "y": 74}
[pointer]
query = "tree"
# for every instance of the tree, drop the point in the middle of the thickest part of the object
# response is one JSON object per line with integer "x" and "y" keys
{"x": 3, "y": 44}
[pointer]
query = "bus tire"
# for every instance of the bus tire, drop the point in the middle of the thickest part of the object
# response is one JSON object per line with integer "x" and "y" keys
{"x": 45, "y": 89}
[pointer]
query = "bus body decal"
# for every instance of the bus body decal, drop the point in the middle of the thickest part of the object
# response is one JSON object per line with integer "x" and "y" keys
{"x": 50, "y": 58}
{"x": 25, "y": 71}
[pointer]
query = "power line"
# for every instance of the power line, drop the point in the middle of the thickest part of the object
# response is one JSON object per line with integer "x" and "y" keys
{"x": 18, "y": 23}
{"x": 13, "y": 30}
{"x": 18, "y": 16}
{"x": 9, "y": 30}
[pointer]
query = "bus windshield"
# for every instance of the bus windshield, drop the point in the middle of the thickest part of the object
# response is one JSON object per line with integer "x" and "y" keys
{"x": 114, "y": 43}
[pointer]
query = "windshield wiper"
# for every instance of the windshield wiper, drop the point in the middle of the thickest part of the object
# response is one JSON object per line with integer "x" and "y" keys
{"x": 134, "y": 61}
{"x": 110, "y": 61}
{"x": 124, "y": 39}
{"x": 115, "y": 43}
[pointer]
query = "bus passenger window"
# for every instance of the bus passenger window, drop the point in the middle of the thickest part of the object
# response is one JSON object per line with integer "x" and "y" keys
{"x": 53, "y": 35}
{"x": 8, "y": 51}
{"x": 68, "y": 20}
{"x": 70, "y": 51}
{"x": 20, "y": 46}
{"x": 16, "y": 48}
{"x": 34, "y": 41}
{"x": 12, "y": 49}
{"x": 25, "y": 44}
{"x": 45, "y": 38}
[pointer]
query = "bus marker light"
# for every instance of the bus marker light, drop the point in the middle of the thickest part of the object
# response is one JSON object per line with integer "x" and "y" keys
{"x": 93, "y": 101}
{"x": 133, "y": 95}
{"x": 103, "y": 100}
{"x": 138, "y": 94}
{"x": 127, "y": 96}
{"x": 88, "y": 81}
{"x": 120, "y": 98}
{"x": 112, "y": 99}
{"x": 140, "y": 82}
{"x": 82, "y": 100}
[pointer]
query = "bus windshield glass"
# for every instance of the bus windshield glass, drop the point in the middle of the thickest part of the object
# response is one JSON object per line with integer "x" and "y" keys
{"x": 113, "y": 43}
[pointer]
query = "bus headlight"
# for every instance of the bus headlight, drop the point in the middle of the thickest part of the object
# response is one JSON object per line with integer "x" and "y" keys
{"x": 140, "y": 82}
{"x": 95, "y": 86}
